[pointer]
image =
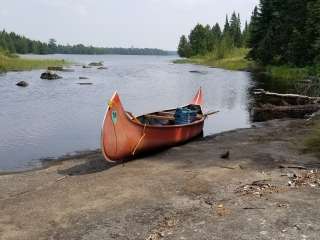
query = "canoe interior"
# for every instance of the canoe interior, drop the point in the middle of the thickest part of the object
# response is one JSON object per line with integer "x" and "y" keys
{"x": 166, "y": 117}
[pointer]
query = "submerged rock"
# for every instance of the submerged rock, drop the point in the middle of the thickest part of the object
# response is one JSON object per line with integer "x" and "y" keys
{"x": 61, "y": 69}
{"x": 22, "y": 84}
{"x": 198, "y": 72}
{"x": 67, "y": 70}
{"x": 50, "y": 76}
{"x": 85, "y": 83}
{"x": 84, "y": 66}
{"x": 55, "y": 68}
{"x": 83, "y": 78}
{"x": 102, "y": 68}
{"x": 96, "y": 64}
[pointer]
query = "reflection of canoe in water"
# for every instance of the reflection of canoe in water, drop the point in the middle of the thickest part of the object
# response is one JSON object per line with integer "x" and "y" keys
{"x": 124, "y": 135}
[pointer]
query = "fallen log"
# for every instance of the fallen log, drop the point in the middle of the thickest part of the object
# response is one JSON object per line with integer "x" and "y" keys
{"x": 284, "y": 99}
{"x": 269, "y": 112}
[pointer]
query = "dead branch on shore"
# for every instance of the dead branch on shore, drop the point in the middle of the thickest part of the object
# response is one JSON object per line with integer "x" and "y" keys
{"x": 272, "y": 105}
{"x": 284, "y": 99}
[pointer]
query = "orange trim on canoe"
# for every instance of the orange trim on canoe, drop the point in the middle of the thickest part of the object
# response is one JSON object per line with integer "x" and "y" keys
{"x": 198, "y": 99}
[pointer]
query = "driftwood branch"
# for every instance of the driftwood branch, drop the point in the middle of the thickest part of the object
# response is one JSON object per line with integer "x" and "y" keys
{"x": 270, "y": 105}
{"x": 284, "y": 99}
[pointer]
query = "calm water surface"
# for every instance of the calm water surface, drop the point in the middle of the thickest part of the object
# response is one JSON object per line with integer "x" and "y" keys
{"x": 53, "y": 118}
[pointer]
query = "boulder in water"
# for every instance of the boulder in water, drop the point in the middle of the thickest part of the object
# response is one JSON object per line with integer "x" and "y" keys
{"x": 50, "y": 76}
{"x": 22, "y": 84}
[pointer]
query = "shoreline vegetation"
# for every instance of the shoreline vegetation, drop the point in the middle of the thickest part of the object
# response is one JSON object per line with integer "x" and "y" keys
{"x": 278, "y": 40}
{"x": 12, "y": 62}
{"x": 236, "y": 60}
{"x": 12, "y": 44}
{"x": 15, "y": 43}
{"x": 281, "y": 41}
{"x": 233, "y": 60}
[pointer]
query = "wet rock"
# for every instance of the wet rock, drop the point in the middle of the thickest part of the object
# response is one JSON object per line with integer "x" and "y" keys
{"x": 50, "y": 76}
{"x": 84, "y": 66}
{"x": 84, "y": 78}
{"x": 22, "y": 84}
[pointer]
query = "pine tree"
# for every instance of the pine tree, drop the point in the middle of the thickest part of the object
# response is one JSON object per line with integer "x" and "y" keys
{"x": 210, "y": 38}
{"x": 52, "y": 45}
{"x": 226, "y": 29}
{"x": 260, "y": 33}
{"x": 217, "y": 31}
{"x": 313, "y": 29}
{"x": 235, "y": 30}
{"x": 285, "y": 32}
{"x": 198, "y": 40}
{"x": 184, "y": 49}
{"x": 245, "y": 35}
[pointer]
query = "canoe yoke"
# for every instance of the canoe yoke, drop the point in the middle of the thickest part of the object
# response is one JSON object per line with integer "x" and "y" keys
{"x": 179, "y": 116}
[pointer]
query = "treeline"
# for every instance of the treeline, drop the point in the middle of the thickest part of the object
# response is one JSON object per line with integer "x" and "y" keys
{"x": 14, "y": 43}
{"x": 286, "y": 32}
{"x": 207, "y": 39}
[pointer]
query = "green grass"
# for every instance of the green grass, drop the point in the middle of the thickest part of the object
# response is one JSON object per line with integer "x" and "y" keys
{"x": 233, "y": 59}
{"x": 313, "y": 141}
{"x": 287, "y": 72}
{"x": 15, "y": 63}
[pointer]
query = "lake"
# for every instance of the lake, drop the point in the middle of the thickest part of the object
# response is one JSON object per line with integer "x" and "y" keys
{"x": 49, "y": 119}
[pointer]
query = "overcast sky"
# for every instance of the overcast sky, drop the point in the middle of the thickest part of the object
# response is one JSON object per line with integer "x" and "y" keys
{"x": 116, "y": 23}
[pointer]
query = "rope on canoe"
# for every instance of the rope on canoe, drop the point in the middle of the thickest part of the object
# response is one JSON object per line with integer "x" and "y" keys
{"x": 140, "y": 140}
{"x": 115, "y": 133}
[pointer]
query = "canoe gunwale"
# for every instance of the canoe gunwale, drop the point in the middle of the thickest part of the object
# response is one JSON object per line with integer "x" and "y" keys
{"x": 166, "y": 126}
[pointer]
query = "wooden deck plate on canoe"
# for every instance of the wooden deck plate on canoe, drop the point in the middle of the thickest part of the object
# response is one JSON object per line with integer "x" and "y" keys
{"x": 123, "y": 135}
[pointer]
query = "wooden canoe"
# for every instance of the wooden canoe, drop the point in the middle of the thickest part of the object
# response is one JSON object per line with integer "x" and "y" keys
{"x": 124, "y": 136}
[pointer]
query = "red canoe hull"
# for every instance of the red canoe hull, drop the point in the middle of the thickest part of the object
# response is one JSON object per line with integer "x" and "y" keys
{"x": 123, "y": 137}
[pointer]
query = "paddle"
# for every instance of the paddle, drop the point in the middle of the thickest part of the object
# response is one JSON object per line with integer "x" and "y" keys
{"x": 210, "y": 113}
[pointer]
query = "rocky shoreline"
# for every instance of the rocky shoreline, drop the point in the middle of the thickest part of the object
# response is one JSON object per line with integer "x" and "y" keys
{"x": 267, "y": 188}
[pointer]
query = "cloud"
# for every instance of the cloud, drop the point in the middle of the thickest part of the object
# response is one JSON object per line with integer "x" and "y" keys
{"x": 79, "y": 7}
{"x": 4, "y": 12}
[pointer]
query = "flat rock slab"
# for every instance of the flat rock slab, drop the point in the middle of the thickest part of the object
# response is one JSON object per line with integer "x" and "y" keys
{"x": 187, "y": 192}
